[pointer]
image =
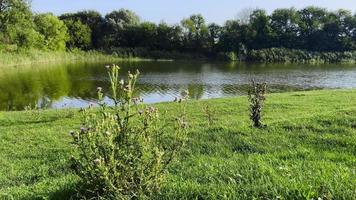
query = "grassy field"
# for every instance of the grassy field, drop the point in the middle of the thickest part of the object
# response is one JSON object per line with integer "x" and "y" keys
{"x": 308, "y": 150}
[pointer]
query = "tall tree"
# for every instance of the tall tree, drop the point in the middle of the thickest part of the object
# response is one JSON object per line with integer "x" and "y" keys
{"x": 79, "y": 35}
{"x": 93, "y": 20}
{"x": 196, "y": 32}
{"x": 262, "y": 32}
{"x": 54, "y": 31}
{"x": 284, "y": 23}
{"x": 311, "y": 23}
{"x": 118, "y": 25}
{"x": 214, "y": 34}
{"x": 16, "y": 24}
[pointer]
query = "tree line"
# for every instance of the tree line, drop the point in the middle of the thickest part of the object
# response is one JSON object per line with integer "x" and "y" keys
{"x": 310, "y": 29}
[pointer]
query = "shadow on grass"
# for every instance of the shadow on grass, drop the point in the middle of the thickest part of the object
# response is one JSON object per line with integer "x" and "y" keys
{"x": 65, "y": 193}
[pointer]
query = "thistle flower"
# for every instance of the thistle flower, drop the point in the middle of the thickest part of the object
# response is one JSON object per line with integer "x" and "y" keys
{"x": 131, "y": 76}
{"x": 97, "y": 161}
{"x": 127, "y": 88}
{"x": 140, "y": 112}
{"x": 136, "y": 100}
{"x": 184, "y": 124}
{"x": 72, "y": 133}
{"x": 82, "y": 130}
{"x": 185, "y": 93}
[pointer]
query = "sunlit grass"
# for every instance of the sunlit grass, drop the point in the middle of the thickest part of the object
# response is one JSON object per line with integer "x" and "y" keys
{"x": 31, "y": 57}
{"x": 307, "y": 150}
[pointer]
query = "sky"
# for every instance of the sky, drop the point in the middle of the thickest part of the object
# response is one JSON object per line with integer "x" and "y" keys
{"x": 173, "y": 11}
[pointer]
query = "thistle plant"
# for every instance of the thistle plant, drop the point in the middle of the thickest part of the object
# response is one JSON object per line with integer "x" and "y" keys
{"x": 34, "y": 110}
{"x": 209, "y": 114}
{"x": 256, "y": 97}
{"x": 123, "y": 151}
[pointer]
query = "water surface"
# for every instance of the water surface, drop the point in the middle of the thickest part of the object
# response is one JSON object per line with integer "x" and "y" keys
{"x": 74, "y": 85}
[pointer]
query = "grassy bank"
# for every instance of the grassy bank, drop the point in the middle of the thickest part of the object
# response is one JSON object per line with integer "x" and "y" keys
{"x": 37, "y": 57}
{"x": 272, "y": 55}
{"x": 308, "y": 150}
{"x": 283, "y": 55}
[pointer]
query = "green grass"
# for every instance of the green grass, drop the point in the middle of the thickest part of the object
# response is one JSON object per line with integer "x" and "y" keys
{"x": 31, "y": 57}
{"x": 308, "y": 150}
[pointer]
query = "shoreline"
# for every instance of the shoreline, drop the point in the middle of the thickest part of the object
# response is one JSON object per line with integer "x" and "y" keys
{"x": 267, "y": 56}
{"x": 48, "y": 57}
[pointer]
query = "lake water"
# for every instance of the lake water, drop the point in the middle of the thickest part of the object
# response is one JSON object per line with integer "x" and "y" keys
{"x": 74, "y": 85}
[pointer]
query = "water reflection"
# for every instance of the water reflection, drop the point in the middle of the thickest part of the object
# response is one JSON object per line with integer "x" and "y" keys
{"x": 74, "y": 85}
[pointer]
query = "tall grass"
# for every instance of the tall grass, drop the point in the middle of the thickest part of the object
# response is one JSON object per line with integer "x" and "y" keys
{"x": 283, "y": 55}
{"x": 30, "y": 57}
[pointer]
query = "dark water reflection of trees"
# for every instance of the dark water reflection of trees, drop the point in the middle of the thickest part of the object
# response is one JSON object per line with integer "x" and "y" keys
{"x": 56, "y": 85}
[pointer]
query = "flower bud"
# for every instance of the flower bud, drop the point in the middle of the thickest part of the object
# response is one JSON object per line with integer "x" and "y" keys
{"x": 82, "y": 130}
{"x": 97, "y": 161}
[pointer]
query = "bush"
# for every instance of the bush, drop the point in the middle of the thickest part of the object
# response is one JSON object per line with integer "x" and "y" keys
{"x": 256, "y": 97}
{"x": 123, "y": 151}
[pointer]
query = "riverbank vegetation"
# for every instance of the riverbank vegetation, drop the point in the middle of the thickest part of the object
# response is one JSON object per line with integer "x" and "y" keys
{"x": 306, "y": 151}
{"x": 283, "y": 55}
{"x": 30, "y": 57}
{"x": 310, "y": 34}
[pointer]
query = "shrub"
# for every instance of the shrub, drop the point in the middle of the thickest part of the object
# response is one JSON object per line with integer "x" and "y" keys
{"x": 228, "y": 56}
{"x": 123, "y": 151}
{"x": 256, "y": 97}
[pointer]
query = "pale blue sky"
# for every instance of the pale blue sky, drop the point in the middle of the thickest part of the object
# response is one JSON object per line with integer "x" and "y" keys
{"x": 172, "y": 11}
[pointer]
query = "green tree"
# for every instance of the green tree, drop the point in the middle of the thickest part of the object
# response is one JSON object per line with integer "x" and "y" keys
{"x": 231, "y": 36}
{"x": 16, "y": 24}
{"x": 79, "y": 35}
{"x": 214, "y": 31}
{"x": 284, "y": 23}
{"x": 119, "y": 25}
{"x": 235, "y": 37}
{"x": 311, "y": 22}
{"x": 165, "y": 36}
{"x": 148, "y": 35}
{"x": 196, "y": 32}
{"x": 169, "y": 37}
{"x": 54, "y": 31}
{"x": 93, "y": 20}
{"x": 349, "y": 33}
{"x": 262, "y": 35}
{"x": 123, "y": 17}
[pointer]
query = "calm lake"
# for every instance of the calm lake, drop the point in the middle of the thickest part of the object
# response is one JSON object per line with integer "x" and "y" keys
{"x": 74, "y": 85}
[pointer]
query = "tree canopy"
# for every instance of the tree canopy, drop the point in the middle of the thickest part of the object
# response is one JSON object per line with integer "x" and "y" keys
{"x": 310, "y": 28}
{"x": 53, "y": 30}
